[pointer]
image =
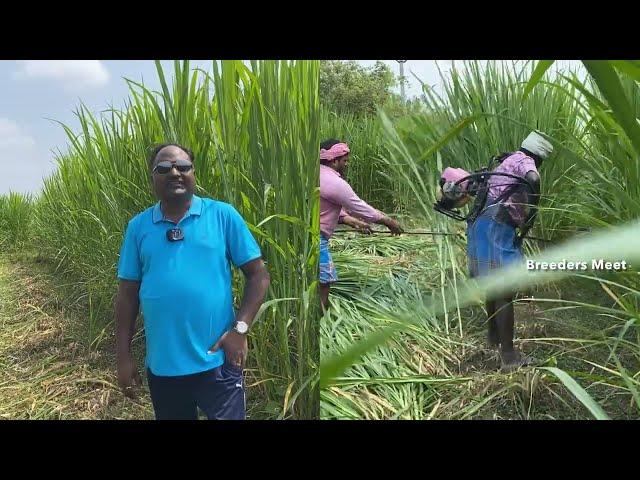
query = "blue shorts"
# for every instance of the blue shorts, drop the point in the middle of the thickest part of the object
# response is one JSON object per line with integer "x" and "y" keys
{"x": 490, "y": 245}
{"x": 328, "y": 273}
{"x": 219, "y": 393}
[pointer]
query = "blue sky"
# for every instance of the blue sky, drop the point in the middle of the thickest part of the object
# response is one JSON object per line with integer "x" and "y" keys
{"x": 35, "y": 91}
{"x": 427, "y": 71}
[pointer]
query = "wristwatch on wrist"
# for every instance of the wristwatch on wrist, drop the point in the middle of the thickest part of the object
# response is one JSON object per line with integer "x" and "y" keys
{"x": 241, "y": 327}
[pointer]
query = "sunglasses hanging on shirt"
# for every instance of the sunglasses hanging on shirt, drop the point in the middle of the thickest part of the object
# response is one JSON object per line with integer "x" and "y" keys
{"x": 175, "y": 235}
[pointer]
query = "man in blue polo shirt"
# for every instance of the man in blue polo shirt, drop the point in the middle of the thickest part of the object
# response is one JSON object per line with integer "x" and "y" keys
{"x": 175, "y": 266}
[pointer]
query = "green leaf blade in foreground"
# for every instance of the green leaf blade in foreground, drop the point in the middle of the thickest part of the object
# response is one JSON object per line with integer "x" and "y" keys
{"x": 336, "y": 364}
{"x": 609, "y": 84}
{"x": 628, "y": 67}
{"x": 538, "y": 73}
{"x": 578, "y": 392}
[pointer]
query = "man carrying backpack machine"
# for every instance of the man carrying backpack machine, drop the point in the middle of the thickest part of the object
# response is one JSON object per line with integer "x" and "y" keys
{"x": 492, "y": 241}
{"x": 506, "y": 200}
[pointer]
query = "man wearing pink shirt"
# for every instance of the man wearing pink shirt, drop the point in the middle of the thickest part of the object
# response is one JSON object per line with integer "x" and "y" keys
{"x": 340, "y": 204}
{"x": 493, "y": 241}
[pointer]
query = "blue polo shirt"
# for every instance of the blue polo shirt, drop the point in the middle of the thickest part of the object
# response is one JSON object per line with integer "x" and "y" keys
{"x": 185, "y": 286}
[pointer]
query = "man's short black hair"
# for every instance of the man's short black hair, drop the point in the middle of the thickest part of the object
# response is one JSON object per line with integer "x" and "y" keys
{"x": 156, "y": 150}
{"x": 327, "y": 144}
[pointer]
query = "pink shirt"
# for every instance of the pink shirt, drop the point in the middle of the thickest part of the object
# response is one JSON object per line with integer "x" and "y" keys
{"x": 337, "y": 198}
{"x": 517, "y": 164}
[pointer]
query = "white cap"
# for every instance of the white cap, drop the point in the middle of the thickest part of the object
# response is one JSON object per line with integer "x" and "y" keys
{"x": 537, "y": 145}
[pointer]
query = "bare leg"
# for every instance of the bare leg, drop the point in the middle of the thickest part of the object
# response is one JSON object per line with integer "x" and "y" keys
{"x": 324, "y": 296}
{"x": 492, "y": 336}
{"x": 504, "y": 323}
{"x": 511, "y": 358}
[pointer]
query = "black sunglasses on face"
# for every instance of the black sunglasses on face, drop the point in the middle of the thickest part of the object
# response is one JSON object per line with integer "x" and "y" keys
{"x": 183, "y": 166}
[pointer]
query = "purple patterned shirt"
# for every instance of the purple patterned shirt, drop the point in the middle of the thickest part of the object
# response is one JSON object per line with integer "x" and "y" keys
{"x": 516, "y": 164}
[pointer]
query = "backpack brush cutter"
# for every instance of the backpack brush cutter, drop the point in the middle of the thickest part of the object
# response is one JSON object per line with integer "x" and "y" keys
{"x": 457, "y": 187}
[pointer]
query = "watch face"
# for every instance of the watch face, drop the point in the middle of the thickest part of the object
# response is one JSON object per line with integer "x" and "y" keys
{"x": 242, "y": 327}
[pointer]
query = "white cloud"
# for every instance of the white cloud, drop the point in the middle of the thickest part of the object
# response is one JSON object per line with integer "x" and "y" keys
{"x": 23, "y": 165}
{"x": 12, "y": 136}
{"x": 71, "y": 74}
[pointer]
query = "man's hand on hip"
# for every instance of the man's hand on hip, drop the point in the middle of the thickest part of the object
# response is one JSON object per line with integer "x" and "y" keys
{"x": 235, "y": 347}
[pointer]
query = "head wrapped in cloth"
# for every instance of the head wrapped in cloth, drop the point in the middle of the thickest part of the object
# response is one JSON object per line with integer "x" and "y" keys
{"x": 451, "y": 174}
{"x": 336, "y": 151}
{"x": 538, "y": 145}
{"x": 453, "y": 194}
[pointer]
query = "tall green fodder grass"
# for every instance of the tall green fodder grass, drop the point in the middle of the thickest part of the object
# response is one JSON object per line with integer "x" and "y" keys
{"x": 490, "y": 109}
{"x": 253, "y": 129}
{"x": 407, "y": 155}
{"x": 363, "y": 134}
{"x": 366, "y": 171}
{"x": 492, "y": 95}
{"x": 486, "y": 103}
{"x": 15, "y": 220}
{"x": 615, "y": 172}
